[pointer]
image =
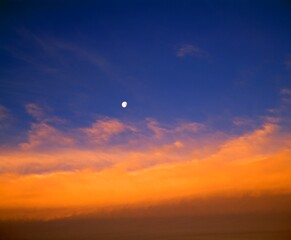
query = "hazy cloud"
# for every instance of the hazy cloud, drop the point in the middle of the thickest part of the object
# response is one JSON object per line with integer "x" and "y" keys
{"x": 5, "y": 117}
{"x": 35, "y": 111}
{"x": 286, "y": 96}
{"x": 288, "y": 63}
{"x": 103, "y": 130}
{"x": 3, "y": 113}
{"x": 286, "y": 91}
{"x": 45, "y": 135}
{"x": 190, "y": 50}
{"x": 239, "y": 122}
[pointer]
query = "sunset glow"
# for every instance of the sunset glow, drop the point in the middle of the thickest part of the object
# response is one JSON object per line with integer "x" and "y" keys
{"x": 175, "y": 163}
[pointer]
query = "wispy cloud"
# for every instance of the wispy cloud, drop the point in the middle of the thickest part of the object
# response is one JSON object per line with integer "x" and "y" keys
{"x": 240, "y": 121}
{"x": 44, "y": 135}
{"x": 5, "y": 117}
{"x": 286, "y": 91}
{"x": 51, "y": 55}
{"x": 185, "y": 128}
{"x": 288, "y": 63}
{"x": 190, "y": 50}
{"x": 3, "y": 113}
{"x": 286, "y": 96}
{"x": 35, "y": 111}
{"x": 103, "y": 130}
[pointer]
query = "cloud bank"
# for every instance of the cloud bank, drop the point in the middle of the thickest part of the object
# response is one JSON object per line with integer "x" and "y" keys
{"x": 114, "y": 162}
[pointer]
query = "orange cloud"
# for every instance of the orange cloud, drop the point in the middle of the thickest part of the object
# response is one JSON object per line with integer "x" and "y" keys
{"x": 43, "y": 134}
{"x": 103, "y": 130}
{"x": 157, "y": 163}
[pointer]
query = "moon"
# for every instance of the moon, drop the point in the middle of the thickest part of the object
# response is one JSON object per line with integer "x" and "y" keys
{"x": 124, "y": 104}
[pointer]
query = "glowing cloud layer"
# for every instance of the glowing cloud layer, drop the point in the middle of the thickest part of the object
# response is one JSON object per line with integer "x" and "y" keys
{"x": 114, "y": 163}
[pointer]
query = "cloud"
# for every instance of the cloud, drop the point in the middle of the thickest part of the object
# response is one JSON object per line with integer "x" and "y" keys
{"x": 156, "y": 129}
{"x": 5, "y": 117}
{"x": 44, "y": 135}
{"x": 181, "y": 128}
{"x": 103, "y": 130}
{"x": 240, "y": 122}
{"x": 53, "y": 55}
{"x": 288, "y": 64}
{"x": 256, "y": 161}
{"x": 3, "y": 113}
{"x": 35, "y": 111}
{"x": 189, "y": 127}
{"x": 65, "y": 161}
{"x": 115, "y": 162}
{"x": 190, "y": 50}
{"x": 286, "y": 97}
{"x": 285, "y": 91}
{"x": 61, "y": 51}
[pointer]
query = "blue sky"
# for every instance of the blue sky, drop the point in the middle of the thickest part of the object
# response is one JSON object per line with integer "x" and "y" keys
{"x": 202, "y": 61}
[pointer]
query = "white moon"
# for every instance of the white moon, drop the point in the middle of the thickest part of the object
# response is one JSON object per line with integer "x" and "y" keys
{"x": 124, "y": 104}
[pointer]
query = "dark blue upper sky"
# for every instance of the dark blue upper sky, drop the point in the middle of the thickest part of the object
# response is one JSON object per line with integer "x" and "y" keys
{"x": 190, "y": 60}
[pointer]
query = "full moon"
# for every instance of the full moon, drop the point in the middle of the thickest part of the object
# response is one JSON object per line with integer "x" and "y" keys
{"x": 124, "y": 104}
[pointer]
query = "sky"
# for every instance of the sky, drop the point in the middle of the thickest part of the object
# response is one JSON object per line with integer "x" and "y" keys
{"x": 208, "y": 86}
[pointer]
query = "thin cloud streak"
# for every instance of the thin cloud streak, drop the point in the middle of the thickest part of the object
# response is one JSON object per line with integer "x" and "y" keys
{"x": 190, "y": 50}
{"x": 4, "y": 115}
{"x": 286, "y": 91}
{"x": 61, "y": 52}
{"x": 286, "y": 97}
{"x": 35, "y": 111}
{"x": 54, "y": 47}
{"x": 288, "y": 63}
